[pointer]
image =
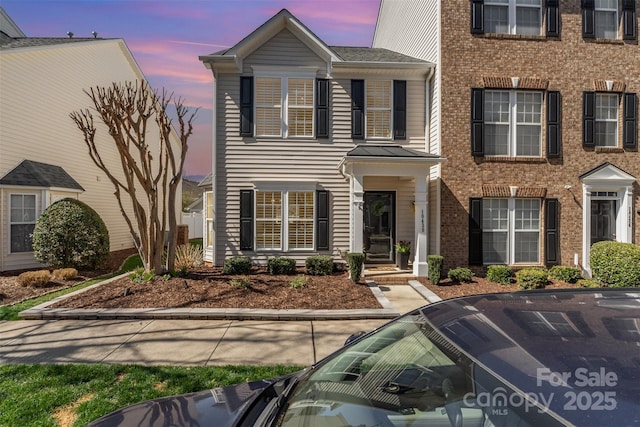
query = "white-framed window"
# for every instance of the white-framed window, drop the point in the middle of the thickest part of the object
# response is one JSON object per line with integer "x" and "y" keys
{"x": 284, "y": 106}
{"x": 606, "y": 120}
{"x": 511, "y": 231}
{"x": 513, "y": 16}
{"x": 606, "y": 19}
{"x": 285, "y": 229}
{"x": 22, "y": 218}
{"x": 379, "y": 103}
{"x": 208, "y": 197}
{"x": 513, "y": 123}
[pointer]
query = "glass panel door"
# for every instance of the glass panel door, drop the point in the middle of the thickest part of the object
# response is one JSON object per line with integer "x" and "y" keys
{"x": 379, "y": 226}
{"x": 603, "y": 220}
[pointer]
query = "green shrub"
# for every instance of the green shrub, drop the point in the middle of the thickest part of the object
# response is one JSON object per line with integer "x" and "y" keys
{"x": 281, "y": 265}
{"x": 356, "y": 263}
{"x": 319, "y": 265}
{"x": 241, "y": 282}
{"x": 34, "y": 278}
{"x": 237, "y": 265}
{"x": 589, "y": 283}
{"x": 499, "y": 274}
{"x": 532, "y": 278}
{"x": 64, "y": 274}
{"x": 298, "y": 282}
{"x": 460, "y": 274}
{"x": 616, "y": 264}
{"x": 140, "y": 275}
{"x": 188, "y": 256}
{"x": 70, "y": 234}
{"x": 566, "y": 274}
{"x": 435, "y": 263}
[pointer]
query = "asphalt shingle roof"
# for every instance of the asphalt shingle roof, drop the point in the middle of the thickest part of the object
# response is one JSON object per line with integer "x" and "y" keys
{"x": 373, "y": 54}
{"x": 21, "y": 42}
{"x": 36, "y": 174}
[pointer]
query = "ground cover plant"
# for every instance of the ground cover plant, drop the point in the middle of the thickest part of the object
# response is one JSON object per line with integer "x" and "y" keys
{"x": 73, "y": 395}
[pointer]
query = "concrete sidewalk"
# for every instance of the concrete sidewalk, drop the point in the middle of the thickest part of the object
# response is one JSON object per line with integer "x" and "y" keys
{"x": 188, "y": 342}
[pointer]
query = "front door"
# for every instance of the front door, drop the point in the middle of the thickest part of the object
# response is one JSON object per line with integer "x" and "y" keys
{"x": 603, "y": 220}
{"x": 379, "y": 226}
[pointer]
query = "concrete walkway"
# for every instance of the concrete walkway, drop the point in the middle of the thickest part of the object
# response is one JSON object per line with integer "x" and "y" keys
{"x": 193, "y": 342}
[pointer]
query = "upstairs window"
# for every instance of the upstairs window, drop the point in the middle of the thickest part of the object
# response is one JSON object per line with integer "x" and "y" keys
{"x": 378, "y": 109}
{"x": 604, "y": 113}
{"x": 609, "y": 19}
{"x": 512, "y": 123}
{"x": 514, "y": 17}
{"x": 606, "y": 123}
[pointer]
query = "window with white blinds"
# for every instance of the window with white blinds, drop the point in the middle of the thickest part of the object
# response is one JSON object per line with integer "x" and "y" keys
{"x": 284, "y": 107}
{"x": 378, "y": 108}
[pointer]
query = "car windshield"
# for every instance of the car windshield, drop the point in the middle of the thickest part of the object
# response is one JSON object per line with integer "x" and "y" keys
{"x": 405, "y": 374}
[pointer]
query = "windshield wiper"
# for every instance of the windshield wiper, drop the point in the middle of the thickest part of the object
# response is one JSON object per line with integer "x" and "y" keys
{"x": 275, "y": 406}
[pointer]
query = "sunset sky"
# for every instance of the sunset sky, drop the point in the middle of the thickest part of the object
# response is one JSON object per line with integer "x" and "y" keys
{"x": 167, "y": 36}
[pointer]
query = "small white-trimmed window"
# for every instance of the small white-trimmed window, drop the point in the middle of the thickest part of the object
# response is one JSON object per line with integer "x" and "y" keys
{"x": 23, "y": 215}
{"x": 284, "y": 106}
{"x": 511, "y": 231}
{"x": 513, "y": 17}
{"x": 209, "y": 218}
{"x": 606, "y": 19}
{"x": 378, "y": 108}
{"x": 513, "y": 123}
{"x": 606, "y": 120}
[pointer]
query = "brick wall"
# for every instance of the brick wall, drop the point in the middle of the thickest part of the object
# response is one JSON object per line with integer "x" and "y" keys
{"x": 569, "y": 64}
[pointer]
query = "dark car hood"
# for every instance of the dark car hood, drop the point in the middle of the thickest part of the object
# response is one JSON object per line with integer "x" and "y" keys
{"x": 219, "y": 407}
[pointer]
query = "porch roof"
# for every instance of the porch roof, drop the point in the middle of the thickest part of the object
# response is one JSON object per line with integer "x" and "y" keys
{"x": 387, "y": 160}
{"x": 40, "y": 175}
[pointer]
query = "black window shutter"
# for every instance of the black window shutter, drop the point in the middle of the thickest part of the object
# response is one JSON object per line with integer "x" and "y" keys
{"x": 322, "y": 108}
{"x": 322, "y": 220}
{"x": 477, "y": 16}
{"x": 629, "y": 29}
{"x": 553, "y": 124}
{"x": 630, "y": 125}
{"x": 246, "y": 220}
{"x": 588, "y": 19}
{"x": 552, "y": 236}
{"x": 357, "y": 109}
{"x": 477, "y": 122}
{"x": 246, "y": 106}
{"x": 553, "y": 18}
{"x": 589, "y": 119}
{"x": 475, "y": 231}
{"x": 399, "y": 109}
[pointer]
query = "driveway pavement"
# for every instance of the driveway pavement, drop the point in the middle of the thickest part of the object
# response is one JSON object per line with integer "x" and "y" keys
{"x": 189, "y": 342}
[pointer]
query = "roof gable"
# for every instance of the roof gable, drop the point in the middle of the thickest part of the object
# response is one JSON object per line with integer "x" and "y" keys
{"x": 607, "y": 172}
{"x": 41, "y": 175}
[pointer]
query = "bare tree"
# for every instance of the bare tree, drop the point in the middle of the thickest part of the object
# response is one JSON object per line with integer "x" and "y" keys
{"x": 152, "y": 161}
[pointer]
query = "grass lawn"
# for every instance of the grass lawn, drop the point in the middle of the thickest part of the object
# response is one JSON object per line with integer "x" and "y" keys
{"x": 73, "y": 395}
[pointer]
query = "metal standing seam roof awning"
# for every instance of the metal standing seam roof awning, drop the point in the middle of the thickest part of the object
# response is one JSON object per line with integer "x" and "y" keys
{"x": 387, "y": 160}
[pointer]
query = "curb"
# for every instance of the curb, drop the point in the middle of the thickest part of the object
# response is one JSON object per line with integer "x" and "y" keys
{"x": 44, "y": 312}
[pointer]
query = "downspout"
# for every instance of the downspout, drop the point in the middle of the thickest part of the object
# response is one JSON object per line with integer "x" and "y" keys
{"x": 214, "y": 195}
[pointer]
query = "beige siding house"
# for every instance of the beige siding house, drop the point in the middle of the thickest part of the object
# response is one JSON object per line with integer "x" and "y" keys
{"x": 318, "y": 149}
{"x": 535, "y": 108}
{"x": 43, "y": 157}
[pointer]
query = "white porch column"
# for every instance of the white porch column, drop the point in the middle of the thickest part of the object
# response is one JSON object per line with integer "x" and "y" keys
{"x": 586, "y": 227}
{"x": 356, "y": 196}
{"x": 421, "y": 226}
{"x": 626, "y": 236}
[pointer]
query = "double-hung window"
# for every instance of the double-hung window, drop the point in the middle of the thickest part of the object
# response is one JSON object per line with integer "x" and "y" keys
{"x": 606, "y": 19}
{"x": 606, "y": 120}
{"x": 609, "y": 19}
{"x": 289, "y": 228}
{"x": 23, "y": 220}
{"x": 513, "y": 16}
{"x": 378, "y": 108}
{"x": 512, "y": 123}
{"x": 284, "y": 106}
{"x": 511, "y": 231}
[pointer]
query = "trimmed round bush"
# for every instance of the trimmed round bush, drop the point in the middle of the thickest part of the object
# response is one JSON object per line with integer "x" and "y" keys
{"x": 616, "y": 264}
{"x": 499, "y": 274}
{"x": 460, "y": 274}
{"x": 566, "y": 274}
{"x": 532, "y": 278}
{"x": 70, "y": 234}
{"x": 281, "y": 265}
{"x": 237, "y": 265}
{"x": 319, "y": 265}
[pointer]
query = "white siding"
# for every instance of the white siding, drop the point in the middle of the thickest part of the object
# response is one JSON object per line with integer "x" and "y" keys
{"x": 40, "y": 87}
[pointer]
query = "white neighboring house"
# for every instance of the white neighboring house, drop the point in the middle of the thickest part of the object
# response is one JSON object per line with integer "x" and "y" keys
{"x": 43, "y": 157}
